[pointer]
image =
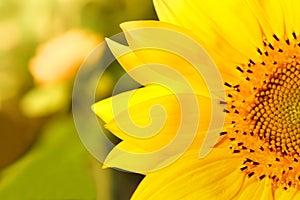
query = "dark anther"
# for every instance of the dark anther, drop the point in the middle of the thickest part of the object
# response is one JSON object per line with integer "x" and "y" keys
{"x": 243, "y": 168}
{"x": 299, "y": 178}
{"x": 250, "y": 174}
{"x": 240, "y": 69}
{"x": 294, "y": 35}
{"x": 265, "y": 44}
{"x": 231, "y": 139}
{"x": 290, "y": 183}
{"x": 295, "y": 159}
{"x": 223, "y": 133}
{"x": 259, "y": 51}
{"x": 275, "y": 37}
{"x": 225, "y": 111}
{"x": 271, "y": 47}
{"x": 262, "y": 177}
{"x": 244, "y": 148}
{"x": 290, "y": 168}
{"x": 223, "y": 102}
{"x": 263, "y": 63}
{"x": 255, "y": 163}
{"x": 277, "y": 159}
{"x": 288, "y": 42}
{"x": 236, "y": 112}
{"x": 274, "y": 62}
{"x": 261, "y": 148}
{"x": 236, "y": 86}
{"x": 247, "y": 160}
{"x": 252, "y": 62}
{"x": 249, "y": 71}
{"x": 266, "y": 53}
{"x": 229, "y": 95}
{"x": 247, "y": 78}
{"x": 251, "y": 151}
{"x": 280, "y": 50}
{"x": 236, "y": 151}
{"x": 227, "y": 84}
{"x": 240, "y": 143}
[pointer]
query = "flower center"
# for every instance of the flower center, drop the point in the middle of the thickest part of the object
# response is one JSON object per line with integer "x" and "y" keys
{"x": 264, "y": 114}
{"x": 275, "y": 115}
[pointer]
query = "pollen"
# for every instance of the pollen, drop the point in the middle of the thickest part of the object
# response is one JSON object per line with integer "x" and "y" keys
{"x": 263, "y": 112}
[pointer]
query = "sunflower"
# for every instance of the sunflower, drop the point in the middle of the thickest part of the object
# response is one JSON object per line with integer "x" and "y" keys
{"x": 255, "y": 46}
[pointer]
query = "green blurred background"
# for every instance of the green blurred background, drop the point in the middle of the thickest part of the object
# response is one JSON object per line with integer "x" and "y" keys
{"x": 42, "y": 45}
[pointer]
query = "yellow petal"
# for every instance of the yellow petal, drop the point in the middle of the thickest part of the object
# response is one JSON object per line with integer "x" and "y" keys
{"x": 289, "y": 194}
{"x": 178, "y": 58}
{"x": 152, "y": 128}
{"x": 296, "y": 196}
{"x": 270, "y": 15}
{"x": 228, "y": 30}
{"x": 292, "y": 16}
{"x": 104, "y": 109}
{"x": 277, "y": 17}
{"x": 126, "y": 156}
{"x": 148, "y": 34}
{"x": 192, "y": 178}
{"x": 255, "y": 189}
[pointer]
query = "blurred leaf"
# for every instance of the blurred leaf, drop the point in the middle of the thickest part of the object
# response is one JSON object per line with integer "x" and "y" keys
{"x": 56, "y": 168}
{"x": 45, "y": 100}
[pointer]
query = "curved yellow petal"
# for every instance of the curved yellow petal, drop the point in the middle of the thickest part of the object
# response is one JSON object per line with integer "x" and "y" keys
{"x": 149, "y": 37}
{"x": 256, "y": 189}
{"x": 104, "y": 108}
{"x": 152, "y": 62}
{"x": 154, "y": 129}
{"x": 151, "y": 117}
{"x": 131, "y": 158}
{"x": 228, "y": 29}
{"x": 125, "y": 155}
{"x": 178, "y": 55}
{"x": 280, "y": 17}
{"x": 296, "y": 196}
{"x": 163, "y": 132}
{"x": 271, "y": 17}
{"x": 192, "y": 178}
{"x": 289, "y": 194}
{"x": 292, "y": 16}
